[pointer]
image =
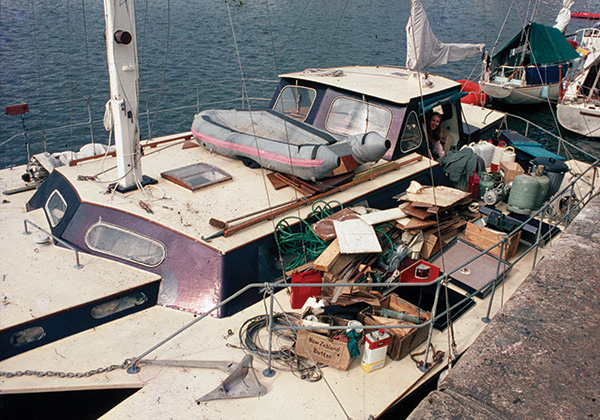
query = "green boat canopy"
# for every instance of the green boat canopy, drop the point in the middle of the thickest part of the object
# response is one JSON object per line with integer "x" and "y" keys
{"x": 543, "y": 45}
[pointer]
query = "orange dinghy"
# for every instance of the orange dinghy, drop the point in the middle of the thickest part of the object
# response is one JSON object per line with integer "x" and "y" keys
{"x": 475, "y": 96}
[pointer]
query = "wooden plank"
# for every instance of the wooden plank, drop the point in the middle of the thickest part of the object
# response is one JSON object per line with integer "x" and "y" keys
{"x": 276, "y": 181}
{"x": 419, "y": 213}
{"x": 438, "y": 196}
{"x": 383, "y": 216}
{"x": 328, "y": 257}
{"x": 419, "y": 224}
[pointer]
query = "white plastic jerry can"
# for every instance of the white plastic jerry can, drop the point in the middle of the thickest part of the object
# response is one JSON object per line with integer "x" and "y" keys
{"x": 376, "y": 344}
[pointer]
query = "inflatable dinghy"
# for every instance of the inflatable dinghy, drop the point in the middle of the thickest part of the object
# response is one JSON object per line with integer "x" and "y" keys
{"x": 282, "y": 144}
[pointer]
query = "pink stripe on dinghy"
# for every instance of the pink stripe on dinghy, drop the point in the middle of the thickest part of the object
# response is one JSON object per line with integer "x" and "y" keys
{"x": 309, "y": 163}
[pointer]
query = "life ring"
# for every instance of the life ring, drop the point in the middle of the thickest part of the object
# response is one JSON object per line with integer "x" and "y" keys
{"x": 475, "y": 96}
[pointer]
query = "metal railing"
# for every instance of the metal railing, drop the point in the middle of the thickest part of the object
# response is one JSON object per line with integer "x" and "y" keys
{"x": 82, "y": 118}
{"x": 442, "y": 281}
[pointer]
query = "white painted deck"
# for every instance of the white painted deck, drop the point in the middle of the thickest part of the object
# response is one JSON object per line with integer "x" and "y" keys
{"x": 170, "y": 392}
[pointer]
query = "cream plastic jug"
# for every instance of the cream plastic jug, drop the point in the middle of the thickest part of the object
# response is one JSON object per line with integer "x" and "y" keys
{"x": 496, "y": 157}
{"x": 486, "y": 151}
{"x": 508, "y": 155}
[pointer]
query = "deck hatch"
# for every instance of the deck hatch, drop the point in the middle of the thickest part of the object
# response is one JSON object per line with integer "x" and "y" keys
{"x": 196, "y": 176}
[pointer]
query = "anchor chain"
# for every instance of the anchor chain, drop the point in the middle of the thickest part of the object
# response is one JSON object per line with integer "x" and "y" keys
{"x": 50, "y": 373}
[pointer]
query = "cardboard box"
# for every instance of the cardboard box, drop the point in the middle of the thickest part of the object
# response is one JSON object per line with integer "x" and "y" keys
{"x": 510, "y": 170}
{"x": 402, "y": 340}
{"x": 323, "y": 349}
{"x": 483, "y": 238}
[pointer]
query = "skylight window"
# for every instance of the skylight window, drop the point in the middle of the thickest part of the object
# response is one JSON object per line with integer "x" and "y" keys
{"x": 196, "y": 176}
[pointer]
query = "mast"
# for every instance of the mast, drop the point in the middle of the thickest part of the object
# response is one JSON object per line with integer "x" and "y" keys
{"x": 121, "y": 49}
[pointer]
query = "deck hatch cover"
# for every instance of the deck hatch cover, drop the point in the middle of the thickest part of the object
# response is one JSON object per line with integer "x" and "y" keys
{"x": 478, "y": 275}
{"x": 196, "y": 176}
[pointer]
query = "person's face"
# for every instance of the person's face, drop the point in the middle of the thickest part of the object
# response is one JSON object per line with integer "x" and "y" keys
{"x": 434, "y": 122}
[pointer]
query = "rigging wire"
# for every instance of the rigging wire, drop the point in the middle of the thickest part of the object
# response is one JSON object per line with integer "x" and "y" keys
{"x": 247, "y": 96}
{"x": 272, "y": 37}
{"x": 87, "y": 59}
{"x": 451, "y": 337}
{"x": 70, "y": 88}
{"x": 336, "y": 28}
{"x": 39, "y": 76}
{"x": 164, "y": 74}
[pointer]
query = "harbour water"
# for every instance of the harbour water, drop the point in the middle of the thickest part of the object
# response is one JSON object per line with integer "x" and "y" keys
{"x": 192, "y": 55}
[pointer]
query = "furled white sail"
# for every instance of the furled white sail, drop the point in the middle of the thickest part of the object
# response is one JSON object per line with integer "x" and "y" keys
{"x": 423, "y": 48}
{"x": 564, "y": 16}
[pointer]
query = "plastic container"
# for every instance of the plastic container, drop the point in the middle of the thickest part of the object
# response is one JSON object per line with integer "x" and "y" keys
{"x": 508, "y": 154}
{"x": 555, "y": 171}
{"x": 498, "y": 151}
{"x": 522, "y": 196}
{"x": 300, "y": 294}
{"x": 473, "y": 185}
{"x": 376, "y": 345}
{"x": 486, "y": 151}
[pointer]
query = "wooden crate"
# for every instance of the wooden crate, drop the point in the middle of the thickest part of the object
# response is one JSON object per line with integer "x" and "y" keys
{"x": 402, "y": 340}
{"x": 483, "y": 238}
{"x": 323, "y": 349}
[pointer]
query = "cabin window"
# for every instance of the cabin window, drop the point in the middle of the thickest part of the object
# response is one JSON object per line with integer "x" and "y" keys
{"x": 412, "y": 136}
{"x": 349, "y": 116}
{"x": 295, "y": 101}
{"x": 122, "y": 243}
{"x": 118, "y": 305}
{"x": 56, "y": 207}
{"x": 29, "y": 335}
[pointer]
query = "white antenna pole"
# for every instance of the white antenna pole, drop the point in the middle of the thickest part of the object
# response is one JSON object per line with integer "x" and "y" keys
{"x": 121, "y": 48}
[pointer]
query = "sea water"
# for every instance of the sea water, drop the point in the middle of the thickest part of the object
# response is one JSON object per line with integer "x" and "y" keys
{"x": 193, "y": 54}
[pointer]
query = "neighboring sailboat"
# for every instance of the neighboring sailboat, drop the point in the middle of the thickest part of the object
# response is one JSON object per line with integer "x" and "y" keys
{"x": 579, "y": 108}
{"x": 530, "y": 68}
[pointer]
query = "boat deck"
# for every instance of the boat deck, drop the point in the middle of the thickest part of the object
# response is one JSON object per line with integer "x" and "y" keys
{"x": 172, "y": 391}
{"x": 30, "y": 272}
{"x": 189, "y": 212}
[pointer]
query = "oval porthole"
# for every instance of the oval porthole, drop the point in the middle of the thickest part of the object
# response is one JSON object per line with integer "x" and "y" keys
{"x": 122, "y": 243}
{"x": 118, "y": 305}
{"x": 26, "y": 336}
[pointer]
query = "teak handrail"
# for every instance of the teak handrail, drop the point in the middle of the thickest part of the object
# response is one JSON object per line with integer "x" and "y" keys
{"x": 270, "y": 215}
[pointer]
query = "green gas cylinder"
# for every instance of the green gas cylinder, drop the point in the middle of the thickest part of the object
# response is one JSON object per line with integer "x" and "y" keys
{"x": 540, "y": 176}
{"x": 522, "y": 196}
{"x": 486, "y": 182}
